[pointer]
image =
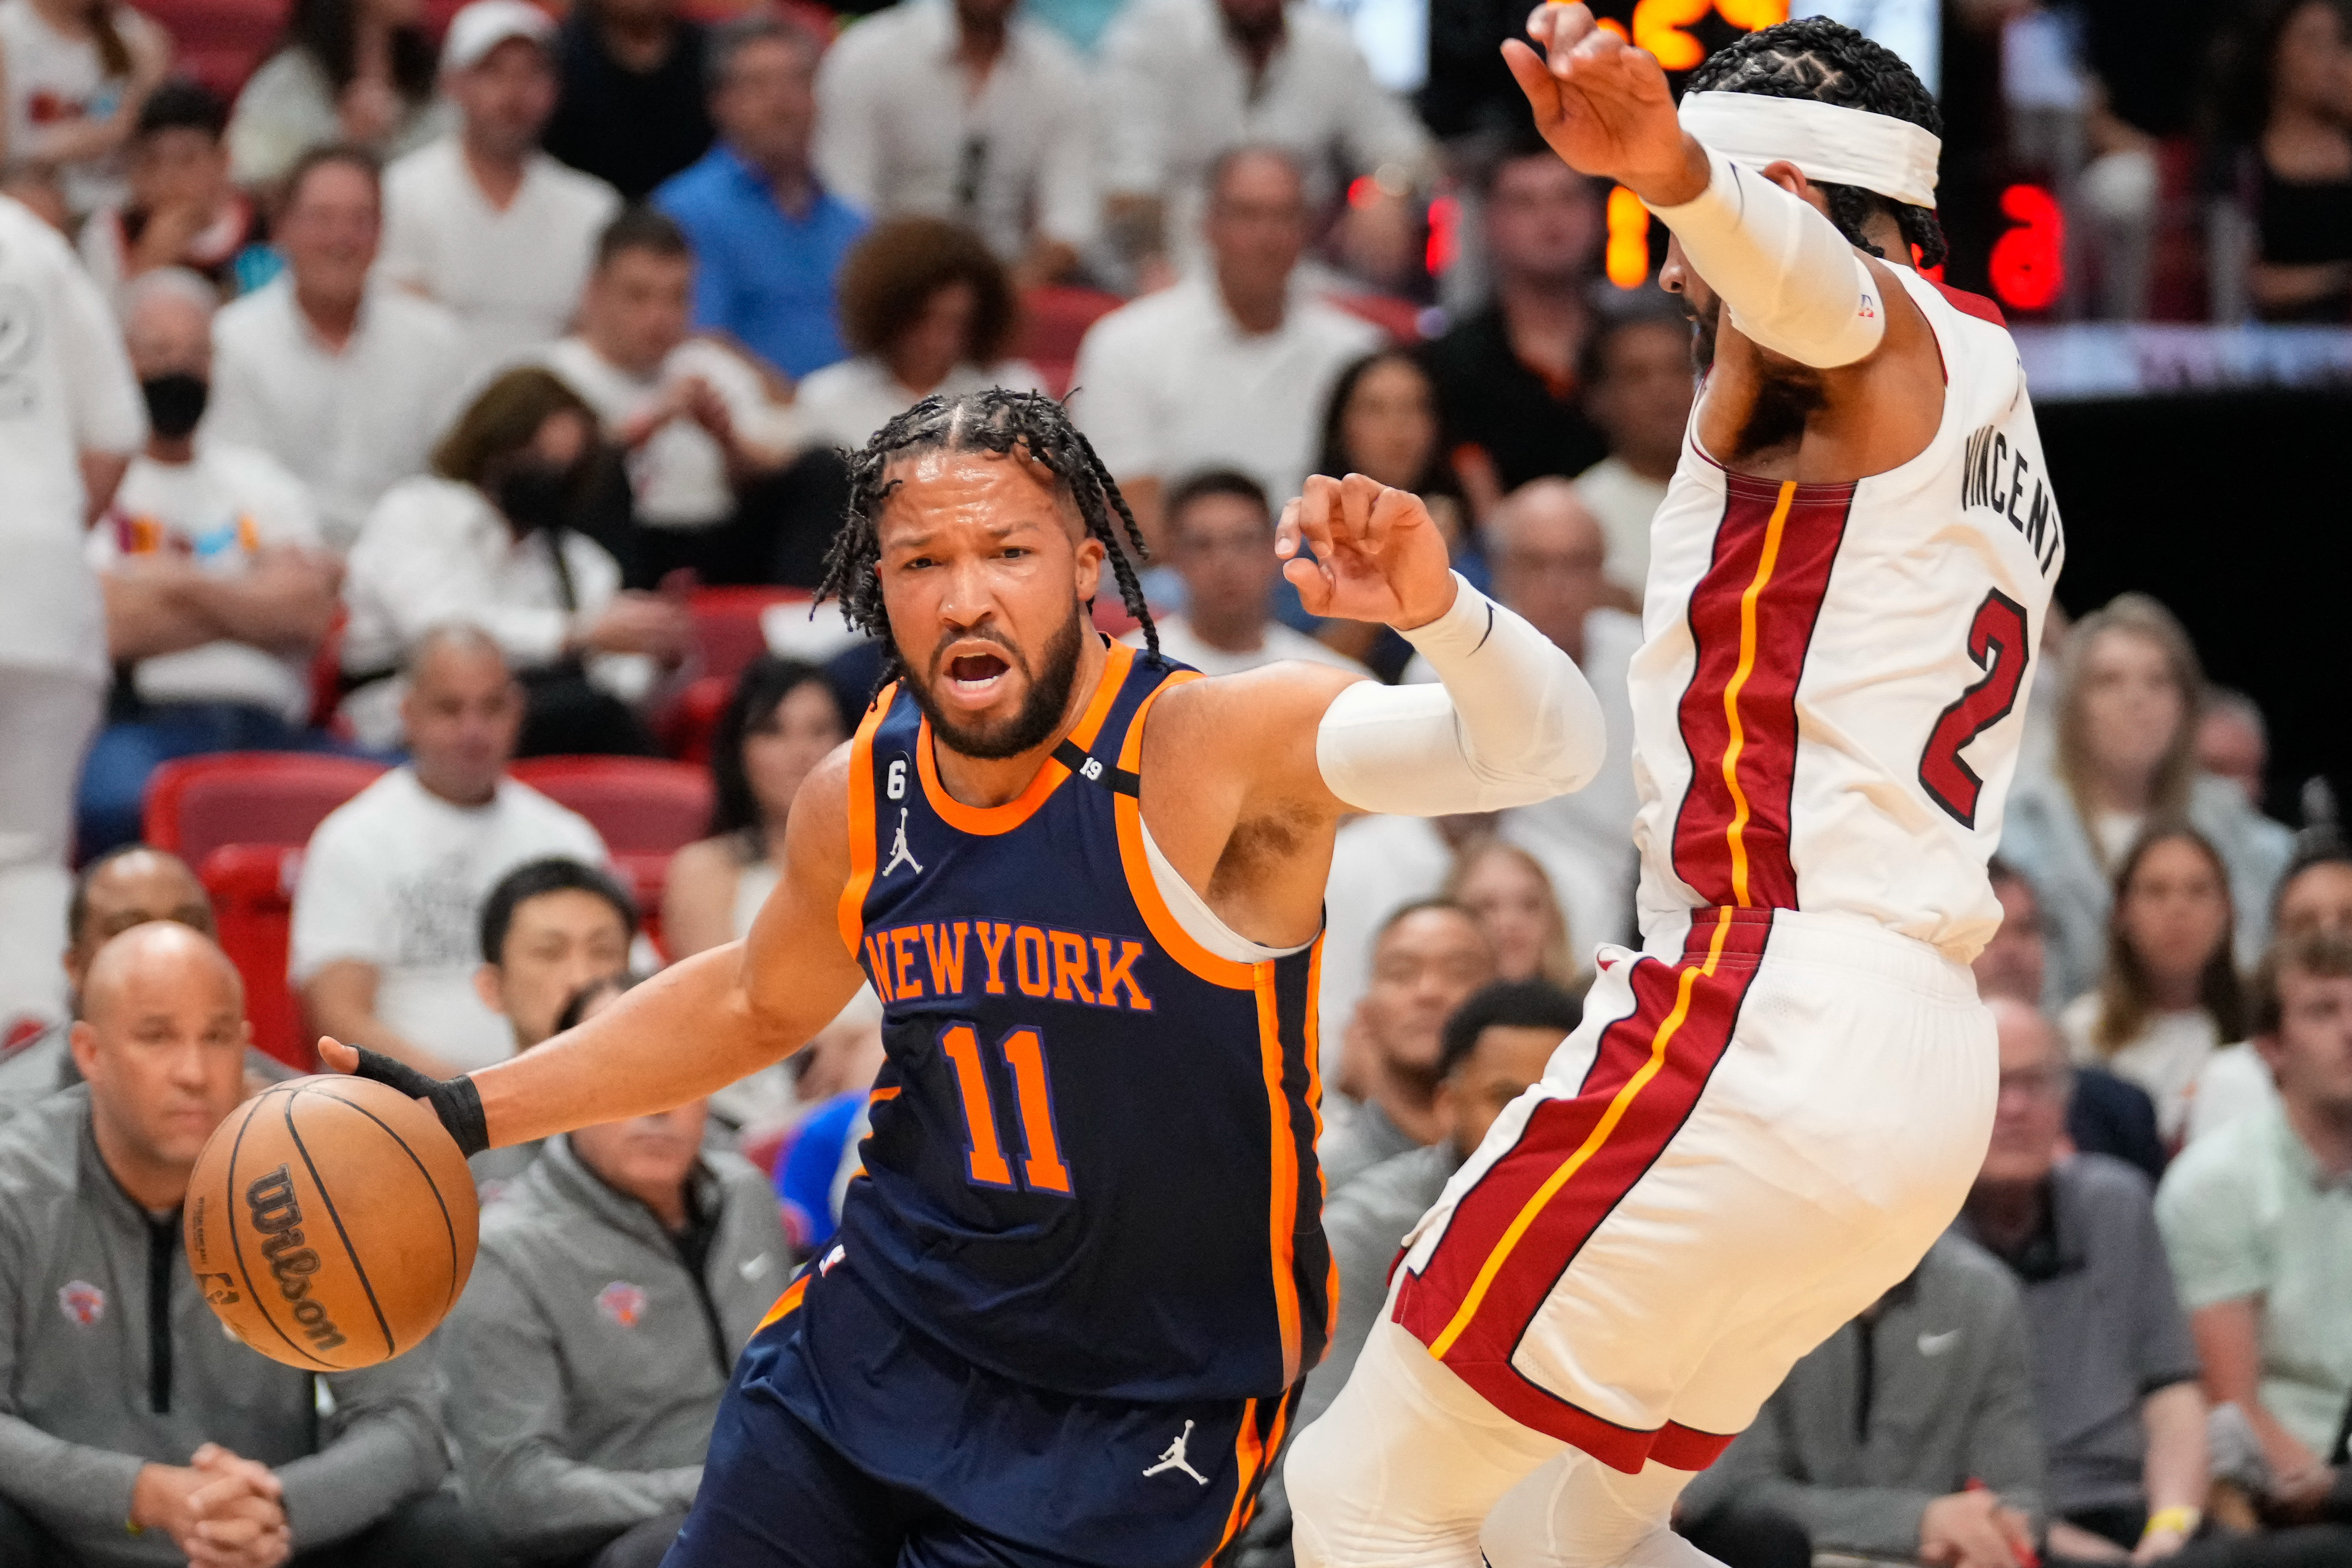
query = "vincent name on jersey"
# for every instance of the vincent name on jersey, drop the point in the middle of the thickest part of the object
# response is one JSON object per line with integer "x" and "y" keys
{"x": 911, "y": 962}
{"x": 1995, "y": 476}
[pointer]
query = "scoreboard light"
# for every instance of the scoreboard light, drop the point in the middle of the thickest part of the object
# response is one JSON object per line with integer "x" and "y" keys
{"x": 2028, "y": 265}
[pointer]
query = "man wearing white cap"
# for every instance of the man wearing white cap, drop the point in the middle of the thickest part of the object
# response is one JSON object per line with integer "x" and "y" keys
{"x": 481, "y": 219}
{"x": 1773, "y": 1110}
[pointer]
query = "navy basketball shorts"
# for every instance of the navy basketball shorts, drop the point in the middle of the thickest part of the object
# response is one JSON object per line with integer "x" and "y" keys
{"x": 847, "y": 1440}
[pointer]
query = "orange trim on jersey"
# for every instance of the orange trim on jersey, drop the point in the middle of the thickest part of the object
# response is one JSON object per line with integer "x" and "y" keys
{"x": 786, "y": 1304}
{"x": 1667, "y": 1028}
{"x": 1736, "y": 834}
{"x": 1158, "y": 918}
{"x": 1249, "y": 1452}
{"x": 888, "y": 1092}
{"x": 991, "y": 820}
{"x": 1282, "y": 1209}
{"x": 1314, "y": 1035}
{"x": 861, "y": 824}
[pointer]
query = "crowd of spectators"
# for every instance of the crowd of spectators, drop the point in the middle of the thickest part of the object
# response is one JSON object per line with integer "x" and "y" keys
{"x": 466, "y": 361}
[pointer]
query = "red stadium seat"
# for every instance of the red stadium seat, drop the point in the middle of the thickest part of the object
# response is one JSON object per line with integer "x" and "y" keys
{"x": 642, "y": 806}
{"x": 1400, "y": 319}
{"x": 1053, "y": 320}
{"x": 198, "y": 804}
{"x": 686, "y": 726}
{"x": 727, "y": 632}
{"x": 252, "y": 889}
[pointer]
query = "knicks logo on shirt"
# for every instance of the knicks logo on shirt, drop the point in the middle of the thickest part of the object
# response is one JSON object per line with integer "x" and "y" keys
{"x": 82, "y": 1302}
{"x": 1998, "y": 478}
{"x": 943, "y": 959}
{"x": 621, "y": 1302}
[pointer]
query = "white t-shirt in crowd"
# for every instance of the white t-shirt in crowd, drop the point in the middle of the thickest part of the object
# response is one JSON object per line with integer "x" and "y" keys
{"x": 1169, "y": 383}
{"x": 395, "y": 877}
{"x": 219, "y": 511}
{"x": 1179, "y": 642}
{"x": 436, "y": 551}
{"x": 678, "y": 474}
{"x": 54, "y": 79}
{"x": 512, "y": 277}
{"x": 847, "y": 401}
{"x": 2233, "y": 1082}
{"x": 899, "y": 128}
{"x": 2167, "y": 1059}
{"x": 287, "y": 107}
{"x": 348, "y": 423}
{"x": 66, "y": 387}
{"x": 1624, "y": 502}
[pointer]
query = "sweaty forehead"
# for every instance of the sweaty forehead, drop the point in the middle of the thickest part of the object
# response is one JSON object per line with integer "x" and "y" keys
{"x": 992, "y": 490}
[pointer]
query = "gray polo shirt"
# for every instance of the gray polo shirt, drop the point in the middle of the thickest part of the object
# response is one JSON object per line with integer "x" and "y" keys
{"x": 1368, "y": 1137}
{"x": 2106, "y": 1328}
{"x": 91, "y": 1388}
{"x": 586, "y": 1360}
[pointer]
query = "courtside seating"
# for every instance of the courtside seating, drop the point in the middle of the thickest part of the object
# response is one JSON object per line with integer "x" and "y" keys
{"x": 644, "y": 808}
{"x": 1053, "y": 320}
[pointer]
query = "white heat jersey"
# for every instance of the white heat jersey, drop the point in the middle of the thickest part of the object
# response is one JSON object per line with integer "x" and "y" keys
{"x": 1831, "y": 691}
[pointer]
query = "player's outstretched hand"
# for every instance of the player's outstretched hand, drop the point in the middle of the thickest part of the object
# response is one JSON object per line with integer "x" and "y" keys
{"x": 1604, "y": 106}
{"x": 1378, "y": 553}
{"x": 453, "y": 1099}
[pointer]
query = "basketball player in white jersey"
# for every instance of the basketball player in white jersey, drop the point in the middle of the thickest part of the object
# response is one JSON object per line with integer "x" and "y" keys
{"x": 1773, "y": 1110}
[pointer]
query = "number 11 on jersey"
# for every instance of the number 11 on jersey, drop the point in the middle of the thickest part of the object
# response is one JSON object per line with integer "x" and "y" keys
{"x": 1024, "y": 1051}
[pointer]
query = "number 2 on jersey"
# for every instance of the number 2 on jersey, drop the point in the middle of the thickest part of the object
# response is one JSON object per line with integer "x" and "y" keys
{"x": 1025, "y": 1052}
{"x": 1997, "y": 642}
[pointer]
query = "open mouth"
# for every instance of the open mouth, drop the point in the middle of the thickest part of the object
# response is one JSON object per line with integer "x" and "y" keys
{"x": 976, "y": 674}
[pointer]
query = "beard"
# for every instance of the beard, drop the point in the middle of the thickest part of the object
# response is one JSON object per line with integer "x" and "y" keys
{"x": 1041, "y": 710}
{"x": 1704, "y": 320}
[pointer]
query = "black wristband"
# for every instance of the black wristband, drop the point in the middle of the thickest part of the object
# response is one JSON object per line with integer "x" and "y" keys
{"x": 453, "y": 1099}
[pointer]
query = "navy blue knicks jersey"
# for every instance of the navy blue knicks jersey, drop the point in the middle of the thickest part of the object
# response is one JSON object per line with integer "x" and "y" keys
{"x": 1092, "y": 1168}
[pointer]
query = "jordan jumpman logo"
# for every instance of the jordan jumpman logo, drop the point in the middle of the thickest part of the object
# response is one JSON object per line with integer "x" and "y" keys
{"x": 900, "y": 853}
{"x": 1173, "y": 1459}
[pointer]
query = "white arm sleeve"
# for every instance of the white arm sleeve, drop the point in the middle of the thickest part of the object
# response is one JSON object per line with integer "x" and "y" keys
{"x": 1795, "y": 285}
{"x": 1511, "y": 721}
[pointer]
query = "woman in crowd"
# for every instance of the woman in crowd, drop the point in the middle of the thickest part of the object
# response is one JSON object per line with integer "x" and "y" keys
{"x": 2171, "y": 995}
{"x": 1509, "y": 893}
{"x": 77, "y": 73}
{"x": 356, "y": 71}
{"x": 781, "y": 722}
{"x": 929, "y": 309}
{"x": 487, "y": 538}
{"x": 2125, "y": 757}
{"x": 1382, "y": 422}
{"x": 2295, "y": 109}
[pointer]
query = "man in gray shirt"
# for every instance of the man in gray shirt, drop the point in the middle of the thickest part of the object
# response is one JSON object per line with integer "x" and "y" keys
{"x": 132, "y": 1429}
{"x": 617, "y": 1280}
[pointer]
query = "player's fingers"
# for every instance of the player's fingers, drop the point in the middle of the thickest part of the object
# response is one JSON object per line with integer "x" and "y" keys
{"x": 1535, "y": 79}
{"x": 1318, "y": 504}
{"x": 1285, "y": 532}
{"x": 1570, "y": 26}
{"x": 1357, "y": 495}
{"x": 337, "y": 1055}
{"x": 1314, "y": 588}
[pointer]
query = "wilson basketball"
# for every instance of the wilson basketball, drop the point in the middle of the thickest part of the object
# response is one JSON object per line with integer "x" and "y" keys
{"x": 330, "y": 1223}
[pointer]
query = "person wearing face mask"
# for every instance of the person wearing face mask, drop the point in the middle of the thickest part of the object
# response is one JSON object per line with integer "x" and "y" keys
{"x": 217, "y": 590}
{"x": 488, "y": 540}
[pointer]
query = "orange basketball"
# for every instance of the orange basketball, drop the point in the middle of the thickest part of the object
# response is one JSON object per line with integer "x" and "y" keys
{"x": 332, "y": 1222}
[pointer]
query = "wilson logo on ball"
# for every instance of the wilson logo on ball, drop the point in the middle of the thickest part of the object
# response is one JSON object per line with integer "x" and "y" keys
{"x": 272, "y": 1210}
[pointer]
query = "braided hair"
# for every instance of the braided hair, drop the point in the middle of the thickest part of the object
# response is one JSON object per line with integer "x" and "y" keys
{"x": 997, "y": 420}
{"x": 1828, "y": 62}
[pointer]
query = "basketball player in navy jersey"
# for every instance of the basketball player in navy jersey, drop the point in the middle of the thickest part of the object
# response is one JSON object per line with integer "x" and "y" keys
{"x": 1083, "y": 1272}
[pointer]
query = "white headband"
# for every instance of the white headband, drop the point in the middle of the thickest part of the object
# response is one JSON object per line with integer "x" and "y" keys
{"x": 1841, "y": 146}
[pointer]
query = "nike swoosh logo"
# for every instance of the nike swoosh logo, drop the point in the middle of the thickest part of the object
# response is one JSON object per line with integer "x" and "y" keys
{"x": 755, "y": 1268}
{"x": 1936, "y": 1344}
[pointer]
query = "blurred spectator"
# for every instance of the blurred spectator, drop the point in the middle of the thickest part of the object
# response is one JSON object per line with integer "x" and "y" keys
{"x": 2233, "y": 743}
{"x": 2257, "y": 1217}
{"x": 1379, "y": 865}
{"x": 2316, "y": 895}
{"x": 481, "y": 220}
{"x": 217, "y": 593}
{"x": 2297, "y": 113}
{"x": 1507, "y": 376}
{"x": 549, "y": 928}
{"x": 1908, "y": 1436}
{"x": 129, "y": 1407}
{"x": 35, "y": 183}
{"x": 488, "y": 540}
{"x": 1638, "y": 385}
{"x": 1186, "y": 82}
{"x": 1381, "y": 423}
{"x": 78, "y": 73}
{"x": 617, "y": 1281}
{"x": 1508, "y": 894}
{"x": 344, "y": 384}
{"x": 1229, "y": 369}
{"x": 182, "y": 210}
{"x": 1219, "y": 539}
{"x": 930, "y": 312}
{"x": 65, "y": 440}
{"x": 768, "y": 236}
{"x": 708, "y": 436}
{"x": 1426, "y": 960}
{"x": 2171, "y": 994}
{"x": 386, "y": 929}
{"x": 354, "y": 73}
{"x": 782, "y": 721}
{"x": 2114, "y": 1370}
{"x": 113, "y": 892}
{"x": 2127, "y": 756}
{"x": 634, "y": 108}
{"x": 963, "y": 110}
{"x": 2105, "y": 1115}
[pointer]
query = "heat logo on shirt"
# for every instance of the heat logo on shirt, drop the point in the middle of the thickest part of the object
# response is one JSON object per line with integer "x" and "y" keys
{"x": 911, "y": 962}
{"x": 1997, "y": 477}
